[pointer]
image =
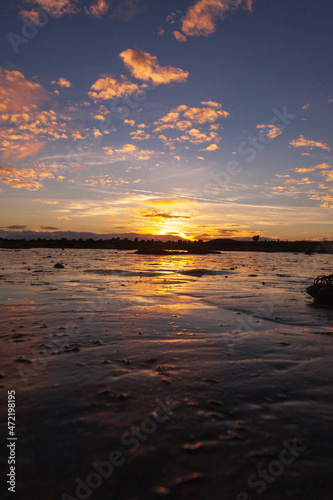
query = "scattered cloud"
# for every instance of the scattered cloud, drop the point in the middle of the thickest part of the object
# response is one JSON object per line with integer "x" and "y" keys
{"x": 183, "y": 117}
{"x": 306, "y": 106}
{"x": 139, "y": 135}
{"x": 302, "y": 142}
{"x": 129, "y": 122}
{"x": 56, "y": 8}
{"x": 144, "y": 66}
{"x": 108, "y": 87}
{"x": 62, "y": 82}
{"x": 31, "y": 178}
{"x": 271, "y": 131}
{"x": 211, "y": 147}
{"x": 201, "y": 18}
{"x": 127, "y": 148}
{"x": 97, "y": 9}
{"x": 322, "y": 166}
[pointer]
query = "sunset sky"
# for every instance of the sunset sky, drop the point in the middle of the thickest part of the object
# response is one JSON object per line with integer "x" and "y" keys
{"x": 194, "y": 118}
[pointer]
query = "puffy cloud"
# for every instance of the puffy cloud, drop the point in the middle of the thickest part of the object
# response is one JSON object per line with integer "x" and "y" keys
{"x": 195, "y": 136}
{"x": 129, "y": 152}
{"x": 302, "y": 142}
{"x": 144, "y": 66}
{"x": 129, "y": 122}
{"x": 127, "y": 148}
{"x": 62, "y": 82}
{"x": 271, "y": 131}
{"x": 139, "y": 135}
{"x": 97, "y": 9}
{"x": 201, "y": 18}
{"x": 77, "y": 136}
{"x": 204, "y": 115}
{"x": 108, "y": 87}
{"x": 179, "y": 36}
{"x": 182, "y": 117}
{"x": 56, "y": 8}
{"x": 211, "y": 147}
{"x": 212, "y": 104}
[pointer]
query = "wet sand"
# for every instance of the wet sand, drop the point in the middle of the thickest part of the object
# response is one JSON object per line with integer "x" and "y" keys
{"x": 181, "y": 386}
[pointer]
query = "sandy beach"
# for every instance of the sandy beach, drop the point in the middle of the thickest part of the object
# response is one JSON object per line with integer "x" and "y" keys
{"x": 181, "y": 377}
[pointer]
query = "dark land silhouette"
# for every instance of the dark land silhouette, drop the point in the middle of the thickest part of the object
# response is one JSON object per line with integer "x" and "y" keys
{"x": 159, "y": 247}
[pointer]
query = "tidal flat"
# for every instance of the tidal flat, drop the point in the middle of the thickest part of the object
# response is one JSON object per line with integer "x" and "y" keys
{"x": 175, "y": 376}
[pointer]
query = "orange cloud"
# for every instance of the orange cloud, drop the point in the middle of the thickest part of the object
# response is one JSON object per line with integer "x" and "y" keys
{"x": 175, "y": 118}
{"x": 302, "y": 142}
{"x": 47, "y": 202}
{"x": 195, "y": 136}
{"x": 56, "y": 8}
{"x": 179, "y": 36}
{"x": 328, "y": 175}
{"x": 127, "y": 148}
{"x": 201, "y": 18}
{"x": 97, "y": 9}
{"x": 322, "y": 166}
{"x": 129, "y": 122}
{"x": 62, "y": 82}
{"x": 204, "y": 115}
{"x": 211, "y": 147}
{"x": 272, "y": 131}
{"x": 110, "y": 88}
{"x": 24, "y": 128}
{"x": 144, "y": 66}
{"x": 139, "y": 135}
{"x": 28, "y": 178}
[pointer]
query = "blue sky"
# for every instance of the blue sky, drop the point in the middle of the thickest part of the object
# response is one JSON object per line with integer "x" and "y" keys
{"x": 207, "y": 118}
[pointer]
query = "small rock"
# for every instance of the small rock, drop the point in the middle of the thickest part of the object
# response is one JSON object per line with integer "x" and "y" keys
{"x": 23, "y": 359}
{"x": 59, "y": 266}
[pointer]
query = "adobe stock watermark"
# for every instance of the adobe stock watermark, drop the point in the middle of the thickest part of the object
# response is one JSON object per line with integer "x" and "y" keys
{"x": 132, "y": 439}
{"x": 30, "y": 29}
{"x": 249, "y": 147}
{"x": 263, "y": 477}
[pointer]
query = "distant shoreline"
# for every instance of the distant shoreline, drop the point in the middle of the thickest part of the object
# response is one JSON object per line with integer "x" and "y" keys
{"x": 156, "y": 247}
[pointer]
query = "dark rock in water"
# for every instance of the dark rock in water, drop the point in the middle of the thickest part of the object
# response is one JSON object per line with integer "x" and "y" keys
{"x": 59, "y": 266}
{"x": 322, "y": 290}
